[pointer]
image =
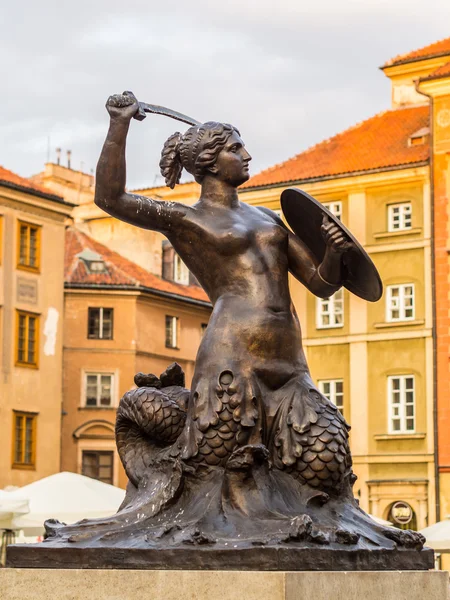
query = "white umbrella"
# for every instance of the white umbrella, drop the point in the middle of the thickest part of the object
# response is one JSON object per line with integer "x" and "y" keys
{"x": 438, "y": 535}
{"x": 11, "y": 506}
{"x": 68, "y": 497}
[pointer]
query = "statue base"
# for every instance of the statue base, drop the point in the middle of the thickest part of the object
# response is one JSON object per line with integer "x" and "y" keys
{"x": 61, "y": 584}
{"x": 271, "y": 558}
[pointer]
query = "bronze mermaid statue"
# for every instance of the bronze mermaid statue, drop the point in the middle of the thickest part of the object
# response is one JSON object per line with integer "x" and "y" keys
{"x": 253, "y": 455}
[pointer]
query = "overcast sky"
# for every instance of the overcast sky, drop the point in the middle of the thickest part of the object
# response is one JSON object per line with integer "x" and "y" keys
{"x": 287, "y": 73}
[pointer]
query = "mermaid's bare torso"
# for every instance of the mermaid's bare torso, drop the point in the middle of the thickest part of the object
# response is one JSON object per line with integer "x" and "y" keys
{"x": 251, "y": 383}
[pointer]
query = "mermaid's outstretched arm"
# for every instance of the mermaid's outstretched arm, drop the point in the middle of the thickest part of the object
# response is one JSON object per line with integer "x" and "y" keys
{"x": 110, "y": 194}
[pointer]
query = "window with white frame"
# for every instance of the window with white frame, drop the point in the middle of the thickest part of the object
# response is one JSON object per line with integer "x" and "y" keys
{"x": 335, "y": 209}
{"x": 399, "y": 216}
{"x": 333, "y": 389}
{"x": 99, "y": 388}
{"x": 330, "y": 311}
{"x": 171, "y": 332}
{"x": 400, "y": 302}
{"x": 401, "y": 404}
{"x": 180, "y": 270}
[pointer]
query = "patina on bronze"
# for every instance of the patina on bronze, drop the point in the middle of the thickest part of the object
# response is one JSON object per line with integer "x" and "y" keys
{"x": 251, "y": 467}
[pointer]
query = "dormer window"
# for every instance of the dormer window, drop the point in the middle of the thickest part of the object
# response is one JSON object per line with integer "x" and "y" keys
{"x": 97, "y": 266}
{"x": 93, "y": 261}
{"x": 420, "y": 137}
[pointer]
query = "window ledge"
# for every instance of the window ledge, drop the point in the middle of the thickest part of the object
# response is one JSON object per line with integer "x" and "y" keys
{"x": 399, "y": 323}
{"x": 26, "y": 365}
{"x": 23, "y": 467}
{"x": 385, "y": 234}
{"x": 97, "y": 407}
{"x": 28, "y": 269}
{"x": 399, "y": 436}
{"x": 322, "y": 327}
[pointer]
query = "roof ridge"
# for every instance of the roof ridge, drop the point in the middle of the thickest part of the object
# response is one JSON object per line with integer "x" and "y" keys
{"x": 10, "y": 177}
{"x": 404, "y": 56}
{"x": 333, "y": 137}
{"x": 364, "y": 145}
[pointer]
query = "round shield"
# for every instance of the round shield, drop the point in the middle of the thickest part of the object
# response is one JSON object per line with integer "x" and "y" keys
{"x": 304, "y": 215}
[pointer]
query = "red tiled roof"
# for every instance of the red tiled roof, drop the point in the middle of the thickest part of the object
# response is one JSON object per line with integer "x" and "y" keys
{"x": 440, "y": 48}
{"x": 120, "y": 270}
{"x": 8, "y": 177}
{"x": 443, "y": 71}
{"x": 380, "y": 142}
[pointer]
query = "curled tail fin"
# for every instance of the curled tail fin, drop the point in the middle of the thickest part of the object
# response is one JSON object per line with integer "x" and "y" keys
{"x": 150, "y": 418}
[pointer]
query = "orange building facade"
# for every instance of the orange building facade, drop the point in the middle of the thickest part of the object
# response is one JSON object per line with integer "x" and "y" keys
{"x": 119, "y": 320}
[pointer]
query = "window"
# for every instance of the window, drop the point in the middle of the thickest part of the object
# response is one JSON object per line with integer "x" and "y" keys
{"x": 333, "y": 389}
{"x": 335, "y": 209}
{"x": 171, "y": 332}
{"x": 100, "y": 323}
{"x": 180, "y": 271}
{"x": 29, "y": 238}
{"x": 330, "y": 311}
{"x": 27, "y": 337}
{"x": 24, "y": 440}
{"x": 399, "y": 216}
{"x": 98, "y": 465}
{"x": 400, "y": 302}
{"x": 401, "y": 404}
{"x": 99, "y": 389}
{"x": 203, "y": 327}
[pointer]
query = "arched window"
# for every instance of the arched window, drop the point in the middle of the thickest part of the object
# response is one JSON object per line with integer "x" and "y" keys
{"x": 402, "y": 516}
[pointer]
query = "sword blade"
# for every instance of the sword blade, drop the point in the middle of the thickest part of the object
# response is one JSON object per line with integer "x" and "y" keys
{"x": 166, "y": 112}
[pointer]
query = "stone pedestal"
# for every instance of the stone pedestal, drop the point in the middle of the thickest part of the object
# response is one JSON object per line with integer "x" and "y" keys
{"x": 74, "y": 584}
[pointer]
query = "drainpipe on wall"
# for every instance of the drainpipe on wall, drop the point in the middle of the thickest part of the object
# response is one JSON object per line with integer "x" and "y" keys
{"x": 433, "y": 294}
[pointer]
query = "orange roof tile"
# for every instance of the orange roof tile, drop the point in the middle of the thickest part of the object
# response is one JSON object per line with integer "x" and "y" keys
{"x": 380, "y": 142}
{"x": 440, "y": 48}
{"x": 8, "y": 177}
{"x": 443, "y": 71}
{"x": 120, "y": 270}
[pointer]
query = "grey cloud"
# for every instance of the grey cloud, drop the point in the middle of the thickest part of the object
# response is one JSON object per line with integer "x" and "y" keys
{"x": 287, "y": 73}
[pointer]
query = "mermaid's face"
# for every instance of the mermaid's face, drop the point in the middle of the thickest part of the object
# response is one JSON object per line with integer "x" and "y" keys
{"x": 231, "y": 165}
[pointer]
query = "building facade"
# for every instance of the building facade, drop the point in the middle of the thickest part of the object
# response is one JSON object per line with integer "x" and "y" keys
{"x": 387, "y": 179}
{"x": 119, "y": 320}
{"x": 32, "y": 223}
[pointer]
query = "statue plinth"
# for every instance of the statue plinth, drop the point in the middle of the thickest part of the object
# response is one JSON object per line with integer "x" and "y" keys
{"x": 272, "y": 558}
{"x": 40, "y": 584}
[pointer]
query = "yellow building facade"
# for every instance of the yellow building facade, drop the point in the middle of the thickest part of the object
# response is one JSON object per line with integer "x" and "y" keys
{"x": 32, "y": 223}
{"x": 363, "y": 348}
{"x": 377, "y": 362}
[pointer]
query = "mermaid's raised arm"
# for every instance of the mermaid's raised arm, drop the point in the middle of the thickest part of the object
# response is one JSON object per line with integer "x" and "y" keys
{"x": 110, "y": 194}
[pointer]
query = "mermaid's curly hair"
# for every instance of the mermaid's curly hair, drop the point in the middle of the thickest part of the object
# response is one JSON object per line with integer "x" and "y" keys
{"x": 195, "y": 151}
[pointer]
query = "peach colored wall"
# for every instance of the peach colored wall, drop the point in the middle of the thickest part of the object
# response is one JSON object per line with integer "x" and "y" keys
{"x": 37, "y": 390}
{"x": 138, "y": 344}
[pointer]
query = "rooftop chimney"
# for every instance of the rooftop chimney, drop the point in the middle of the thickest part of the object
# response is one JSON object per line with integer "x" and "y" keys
{"x": 69, "y": 154}
{"x": 58, "y": 156}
